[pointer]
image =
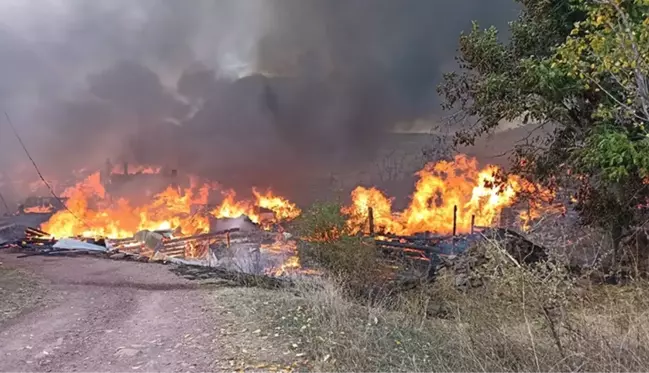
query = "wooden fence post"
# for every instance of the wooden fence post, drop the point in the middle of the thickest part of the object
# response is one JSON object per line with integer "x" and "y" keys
{"x": 454, "y": 220}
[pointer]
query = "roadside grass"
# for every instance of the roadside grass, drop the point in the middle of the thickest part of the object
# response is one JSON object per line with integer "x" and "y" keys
{"x": 249, "y": 337}
{"x": 483, "y": 330}
{"x": 520, "y": 320}
{"x": 19, "y": 292}
{"x": 513, "y": 317}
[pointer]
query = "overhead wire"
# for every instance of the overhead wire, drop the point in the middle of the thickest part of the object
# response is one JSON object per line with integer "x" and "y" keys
{"x": 4, "y": 202}
{"x": 38, "y": 171}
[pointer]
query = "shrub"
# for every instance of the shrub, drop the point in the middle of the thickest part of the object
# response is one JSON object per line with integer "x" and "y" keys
{"x": 322, "y": 222}
{"x": 328, "y": 244}
{"x": 520, "y": 319}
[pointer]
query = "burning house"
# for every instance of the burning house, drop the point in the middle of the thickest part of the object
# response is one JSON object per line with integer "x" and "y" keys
{"x": 138, "y": 183}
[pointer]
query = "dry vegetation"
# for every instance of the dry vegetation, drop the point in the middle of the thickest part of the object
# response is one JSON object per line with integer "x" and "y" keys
{"x": 519, "y": 318}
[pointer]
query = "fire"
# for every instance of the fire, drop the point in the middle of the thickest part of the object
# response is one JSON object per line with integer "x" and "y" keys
{"x": 91, "y": 212}
{"x": 283, "y": 247}
{"x": 282, "y": 208}
{"x": 540, "y": 202}
{"x": 440, "y": 189}
{"x": 39, "y": 209}
{"x": 136, "y": 169}
{"x": 231, "y": 208}
{"x": 476, "y": 193}
{"x": 363, "y": 199}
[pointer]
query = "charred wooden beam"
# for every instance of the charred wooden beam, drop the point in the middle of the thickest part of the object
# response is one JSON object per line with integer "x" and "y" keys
{"x": 433, "y": 238}
{"x": 35, "y": 232}
{"x": 409, "y": 252}
{"x": 202, "y": 236}
{"x": 195, "y": 272}
{"x": 408, "y": 246}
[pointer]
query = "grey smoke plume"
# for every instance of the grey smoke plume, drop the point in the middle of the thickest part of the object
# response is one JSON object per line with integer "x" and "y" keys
{"x": 244, "y": 91}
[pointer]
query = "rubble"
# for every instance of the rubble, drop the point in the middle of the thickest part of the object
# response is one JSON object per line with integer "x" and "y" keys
{"x": 245, "y": 257}
{"x": 8, "y": 232}
{"x": 72, "y": 244}
{"x": 194, "y": 272}
{"x": 241, "y": 250}
{"x": 519, "y": 250}
{"x": 242, "y": 223}
{"x": 190, "y": 269}
{"x": 152, "y": 240}
{"x": 460, "y": 253}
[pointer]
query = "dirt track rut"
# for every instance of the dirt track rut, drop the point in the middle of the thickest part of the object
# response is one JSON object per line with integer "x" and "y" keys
{"x": 107, "y": 315}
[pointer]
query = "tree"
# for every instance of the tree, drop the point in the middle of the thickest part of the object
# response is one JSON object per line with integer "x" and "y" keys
{"x": 580, "y": 66}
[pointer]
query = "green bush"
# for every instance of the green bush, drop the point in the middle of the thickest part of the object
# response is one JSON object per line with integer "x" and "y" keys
{"x": 328, "y": 245}
{"x": 322, "y": 222}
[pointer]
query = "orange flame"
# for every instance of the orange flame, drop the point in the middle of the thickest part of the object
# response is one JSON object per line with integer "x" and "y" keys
{"x": 283, "y": 208}
{"x": 39, "y": 209}
{"x": 90, "y": 211}
{"x": 285, "y": 247}
{"x": 136, "y": 169}
{"x": 440, "y": 188}
{"x": 231, "y": 208}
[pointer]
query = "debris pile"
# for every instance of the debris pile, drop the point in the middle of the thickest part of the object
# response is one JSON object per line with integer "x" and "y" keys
{"x": 144, "y": 243}
{"x": 459, "y": 253}
{"x": 9, "y": 232}
{"x": 239, "y": 245}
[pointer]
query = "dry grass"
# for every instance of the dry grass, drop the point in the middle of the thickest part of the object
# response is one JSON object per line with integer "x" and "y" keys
{"x": 519, "y": 320}
{"x": 248, "y": 341}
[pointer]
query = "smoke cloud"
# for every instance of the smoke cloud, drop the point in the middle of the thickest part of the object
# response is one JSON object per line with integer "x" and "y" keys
{"x": 252, "y": 92}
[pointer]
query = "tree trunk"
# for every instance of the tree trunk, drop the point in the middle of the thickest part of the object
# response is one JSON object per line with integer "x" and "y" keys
{"x": 616, "y": 236}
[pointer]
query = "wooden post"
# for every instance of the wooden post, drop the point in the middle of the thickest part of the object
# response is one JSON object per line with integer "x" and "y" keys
{"x": 370, "y": 218}
{"x": 125, "y": 168}
{"x": 472, "y": 223}
{"x": 227, "y": 239}
{"x": 454, "y": 220}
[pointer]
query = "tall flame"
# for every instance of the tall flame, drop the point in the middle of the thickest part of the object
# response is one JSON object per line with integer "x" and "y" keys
{"x": 91, "y": 212}
{"x": 282, "y": 208}
{"x": 231, "y": 208}
{"x": 441, "y": 188}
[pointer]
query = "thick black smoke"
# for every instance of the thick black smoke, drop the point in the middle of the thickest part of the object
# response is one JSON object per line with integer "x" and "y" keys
{"x": 246, "y": 92}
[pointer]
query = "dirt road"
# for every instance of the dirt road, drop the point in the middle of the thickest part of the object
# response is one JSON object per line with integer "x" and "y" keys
{"x": 104, "y": 315}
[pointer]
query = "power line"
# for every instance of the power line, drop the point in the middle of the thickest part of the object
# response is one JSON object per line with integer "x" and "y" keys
{"x": 38, "y": 171}
{"x": 4, "y": 202}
